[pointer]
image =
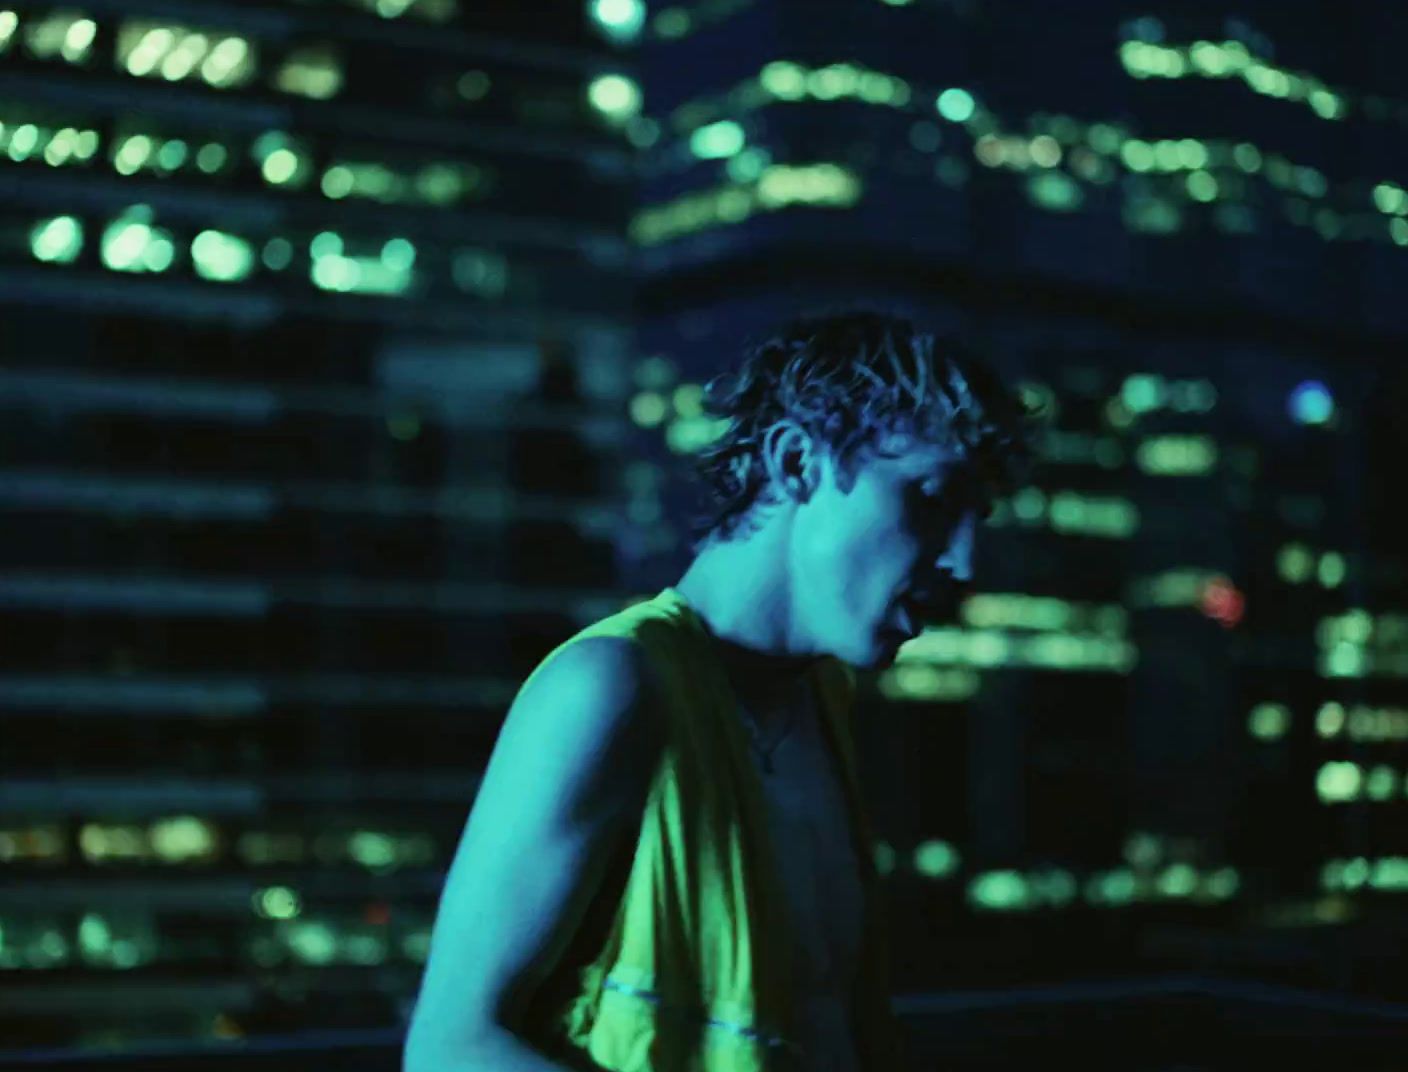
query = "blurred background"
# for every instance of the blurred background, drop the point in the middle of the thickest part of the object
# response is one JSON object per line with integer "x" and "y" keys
{"x": 351, "y": 356}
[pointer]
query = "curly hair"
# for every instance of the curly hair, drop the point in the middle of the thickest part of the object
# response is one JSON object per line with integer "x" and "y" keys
{"x": 851, "y": 377}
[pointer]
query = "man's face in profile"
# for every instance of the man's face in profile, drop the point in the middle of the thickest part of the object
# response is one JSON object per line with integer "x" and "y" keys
{"x": 872, "y": 564}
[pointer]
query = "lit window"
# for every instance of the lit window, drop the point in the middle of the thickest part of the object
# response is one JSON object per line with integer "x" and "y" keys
{"x": 310, "y": 72}
{"x": 147, "y": 49}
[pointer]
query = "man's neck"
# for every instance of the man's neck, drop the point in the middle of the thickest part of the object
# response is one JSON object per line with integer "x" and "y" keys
{"x": 765, "y": 683}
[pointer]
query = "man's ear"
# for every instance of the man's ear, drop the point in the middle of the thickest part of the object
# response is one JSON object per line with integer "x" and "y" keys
{"x": 793, "y": 460}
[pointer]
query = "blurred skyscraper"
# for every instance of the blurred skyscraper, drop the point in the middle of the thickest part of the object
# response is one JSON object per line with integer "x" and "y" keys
{"x": 326, "y": 417}
{"x": 315, "y": 344}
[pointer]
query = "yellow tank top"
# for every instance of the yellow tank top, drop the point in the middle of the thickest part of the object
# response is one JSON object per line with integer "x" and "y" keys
{"x": 687, "y": 970}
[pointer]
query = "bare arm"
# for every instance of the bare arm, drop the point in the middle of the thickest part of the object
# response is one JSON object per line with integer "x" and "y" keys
{"x": 497, "y": 1050}
{"x": 567, "y": 780}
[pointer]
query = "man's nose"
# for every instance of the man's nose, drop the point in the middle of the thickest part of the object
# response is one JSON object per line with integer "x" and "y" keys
{"x": 958, "y": 567}
{"x": 957, "y": 559}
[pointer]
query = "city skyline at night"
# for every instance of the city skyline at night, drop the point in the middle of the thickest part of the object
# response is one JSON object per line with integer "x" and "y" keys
{"x": 354, "y": 354}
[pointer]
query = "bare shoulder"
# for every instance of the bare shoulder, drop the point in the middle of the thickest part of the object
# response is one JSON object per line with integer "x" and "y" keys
{"x": 567, "y": 781}
{"x": 598, "y": 687}
{"x": 581, "y": 738}
{"x": 617, "y": 664}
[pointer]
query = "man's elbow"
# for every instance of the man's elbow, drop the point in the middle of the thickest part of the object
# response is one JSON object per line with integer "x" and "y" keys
{"x": 417, "y": 1053}
{"x": 430, "y": 1049}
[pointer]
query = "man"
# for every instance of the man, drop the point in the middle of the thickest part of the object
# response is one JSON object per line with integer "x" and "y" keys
{"x": 668, "y": 865}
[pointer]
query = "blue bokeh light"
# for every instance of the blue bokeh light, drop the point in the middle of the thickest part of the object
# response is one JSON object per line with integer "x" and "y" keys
{"x": 1312, "y": 403}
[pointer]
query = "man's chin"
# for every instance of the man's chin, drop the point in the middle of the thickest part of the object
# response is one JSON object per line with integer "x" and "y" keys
{"x": 887, "y": 644}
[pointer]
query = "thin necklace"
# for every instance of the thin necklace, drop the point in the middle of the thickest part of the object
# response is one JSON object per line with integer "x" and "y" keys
{"x": 764, "y": 754}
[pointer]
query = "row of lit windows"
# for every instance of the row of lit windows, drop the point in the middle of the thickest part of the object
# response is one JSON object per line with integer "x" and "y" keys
{"x": 1272, "y": 721}
{"x": 320, "y": 942}
{"x": 1231, "y": 59}
{"x": 59, "y": 34}
{"x": 1345, "y": 659}
{"x": 1149, "y": 56}
{"x": 176, "y": 53}
{"x": 1299, "y": 564}
{"x": 281, "y": 160}
{"x": 935, "y": 666}
{"x": 134, "y": 243}
{"x": 1360, "y": 627}
{"x": 1007, "y": 610}
{"x": 934, "y": 858}
{"x": 171, "y": 52}
{"x": 1214, "y": 172}
{"x": 1017, "y": 891}
{"x": 70, "y": 36}
{"x": 758, "y": 186}
{"x": 1362, "y": 722}
{"x": 95, "y": 940}
{"x": 1150, "y": 206}
{"x": 126, "y": 941}
{"x": 770, "y": 188}
{"x": 921, "y": 683}
{"x": 1211, "y": 593}
{"x": 1149, "y": 392}
{"x": 1344, "y": 780}
{"x": 296, "y": 938}
{"x": 107, "y": 940}
{"x": 1358, "y": 644}
{"x": 991, "y": 648}
{"x": 1184, "y": 587}
{"x": 1361, "y": 872}
{"x": 1148, "y": 878}
{"x": 55, "y": 146}
{"x": 189, "y": 840}
{"x": 1153, "y": 208}
{"x": 1091, "y": 153}
{"x": 912, "y": 681}
{"x": 1088, "y": 149}
{"x": 1309, "y": 403}
{"x": 1177, "y": 455}
{"x": 1144, "y": 57}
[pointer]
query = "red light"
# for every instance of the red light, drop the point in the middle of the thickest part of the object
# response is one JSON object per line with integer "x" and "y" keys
{"x": 378, "y": 914}
{"x": 1222, "y": 602}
